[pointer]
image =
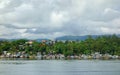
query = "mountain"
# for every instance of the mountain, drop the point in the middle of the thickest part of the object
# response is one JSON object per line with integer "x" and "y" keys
{"x": 70, "y": 37}
{"x": 1, "y": 39}
{"x": 75, "y": 37}
{"x": 80, "y": 37}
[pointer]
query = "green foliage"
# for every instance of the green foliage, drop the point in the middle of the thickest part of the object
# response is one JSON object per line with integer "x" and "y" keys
{"x": 102, "y": 44}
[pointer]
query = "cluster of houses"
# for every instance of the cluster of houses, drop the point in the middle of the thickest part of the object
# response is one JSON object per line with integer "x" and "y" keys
{"x": 96, "y": 55}
{"x": 37, "y": 56}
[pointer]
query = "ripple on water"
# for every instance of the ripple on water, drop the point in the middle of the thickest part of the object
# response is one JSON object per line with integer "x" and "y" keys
{"x": 12, "y": 62}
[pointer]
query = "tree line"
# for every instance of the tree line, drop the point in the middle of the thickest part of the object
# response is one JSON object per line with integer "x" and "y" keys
{"x": 103, "y": 44}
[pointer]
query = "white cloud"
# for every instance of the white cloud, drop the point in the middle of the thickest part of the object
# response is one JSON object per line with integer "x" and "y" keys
{"x": 58, "y": 18}
{"x": 110, "y": 31}
{"x": 33, "y": 29}
{"x": 22, "y": 30}
{"x": 105, "y": 30}
{"x": 3, "y": 3}
{"x": 109, "y": 10}
{"x": 116, "y": 22}
{"x": 50, "y": 19}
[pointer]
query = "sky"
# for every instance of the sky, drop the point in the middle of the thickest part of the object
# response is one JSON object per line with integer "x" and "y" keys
{"x": 35, "y": 19}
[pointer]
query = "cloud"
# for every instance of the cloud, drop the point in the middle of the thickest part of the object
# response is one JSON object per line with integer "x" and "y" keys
{"x": 49, "y": 19}
{"x": 58, "y": 18}
{"x": 7, "y": 6}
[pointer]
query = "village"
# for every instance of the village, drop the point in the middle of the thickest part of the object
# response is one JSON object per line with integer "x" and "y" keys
{"x": 50, "y": 56}
{"x": 62, "y": 49}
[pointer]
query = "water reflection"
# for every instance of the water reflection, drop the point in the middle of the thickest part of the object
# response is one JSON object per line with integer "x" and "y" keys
{"x": 16, "y": 63}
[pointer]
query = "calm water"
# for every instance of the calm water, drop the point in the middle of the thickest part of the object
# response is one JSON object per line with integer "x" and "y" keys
{"x": 59, "y": 67}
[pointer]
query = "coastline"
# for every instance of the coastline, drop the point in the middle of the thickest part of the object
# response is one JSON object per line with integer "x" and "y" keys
{"x": 38, "y": 56}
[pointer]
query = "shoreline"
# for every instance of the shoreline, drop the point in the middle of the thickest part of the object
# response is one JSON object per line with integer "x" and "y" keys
{"x": 62, "y": 57}
{"x": 17, "y": 59}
